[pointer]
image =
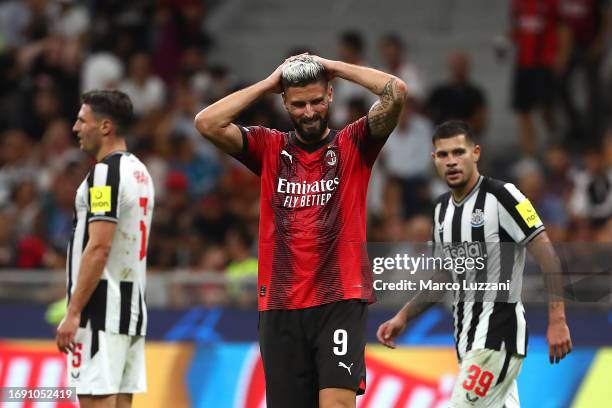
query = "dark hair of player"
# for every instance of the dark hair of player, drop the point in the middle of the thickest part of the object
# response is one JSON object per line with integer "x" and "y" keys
{"x": 111, "y": 104}
{"x": 453, "y": 128}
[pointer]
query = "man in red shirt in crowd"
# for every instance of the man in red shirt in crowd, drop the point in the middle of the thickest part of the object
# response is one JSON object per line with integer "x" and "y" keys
{"x": 541, "y": 42}
{"x": 588, "y": 23}
{"x": 314, "y": 280}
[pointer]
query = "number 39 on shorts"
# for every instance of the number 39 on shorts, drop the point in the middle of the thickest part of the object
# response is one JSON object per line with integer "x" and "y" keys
{"x": 341, "y": 341}
{"x": 478, "y": 380}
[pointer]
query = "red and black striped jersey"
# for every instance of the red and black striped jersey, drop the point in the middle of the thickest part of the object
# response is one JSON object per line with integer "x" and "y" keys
{"x": 535, "y": 25}
{"x": 312, "y": 231}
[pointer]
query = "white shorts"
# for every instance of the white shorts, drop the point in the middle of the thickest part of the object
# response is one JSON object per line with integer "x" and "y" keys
{"x": 487, "y": 378}
{"x": 111, "y": 364}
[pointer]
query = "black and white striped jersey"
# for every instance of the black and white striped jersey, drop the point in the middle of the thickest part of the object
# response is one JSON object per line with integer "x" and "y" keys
{"x": 118, "y": 189}
{"x": 494, "y": 221}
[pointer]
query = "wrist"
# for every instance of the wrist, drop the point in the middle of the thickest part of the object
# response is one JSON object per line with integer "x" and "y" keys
{"x": 267, "y": 86}
{"x": 72, "y": 313}
{"x": 556, "y": 312}
{"x": 334, "y": 68}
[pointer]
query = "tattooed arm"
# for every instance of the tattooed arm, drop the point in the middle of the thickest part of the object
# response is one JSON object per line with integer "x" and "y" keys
{"x": 392, "y": 91}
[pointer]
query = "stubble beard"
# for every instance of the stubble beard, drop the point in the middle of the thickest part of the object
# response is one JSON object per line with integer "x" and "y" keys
{"x": 312, "y": 134}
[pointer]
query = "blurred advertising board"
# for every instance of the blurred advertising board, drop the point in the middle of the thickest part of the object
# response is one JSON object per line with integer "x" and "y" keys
{"x": 231, "y": 375}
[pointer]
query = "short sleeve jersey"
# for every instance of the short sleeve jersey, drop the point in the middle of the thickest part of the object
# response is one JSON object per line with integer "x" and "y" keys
{"x": 312, "y": 231}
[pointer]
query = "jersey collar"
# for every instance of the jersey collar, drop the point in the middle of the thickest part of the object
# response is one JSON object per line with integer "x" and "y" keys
{"x": 313, "y": 147}
{"x": 471, "y": 193}
{"x": 112, "y": 154}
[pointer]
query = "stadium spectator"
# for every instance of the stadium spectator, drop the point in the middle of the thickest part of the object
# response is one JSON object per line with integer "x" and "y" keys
{"x": 213, "y": 261}
{"x": 7, "y": 241}
{"x": 101, "y": 70}
{"x": 406, "y": 160}
{"x": 589, "y": 26}
{"x": 69, "y": 19}
{"x": 57, "y": 210}
{"x": 558, "y": 172}
{"x": 179, "y": 120}
{"x": 57, "y": 145}
{"x": 25, "y": 208}
{"x": 542, "y": 49}
{"x": 46, "y": 106}
{"x": 393, "y": 51}
{"x": 173, "y": 243}
{"x": 15, "y": 17}
{"x": 201, "y": 173}
{"x": 146, "y": 90}
{"x": 458, "y": 98}
{"x": 16, "y": 161}
{"x": 551, "y": 209}
{"x": 213, "y": 220}
{"x": 351, "y": 49}
{"x": 242, "y": 267}
{"x": 592, "y": 195}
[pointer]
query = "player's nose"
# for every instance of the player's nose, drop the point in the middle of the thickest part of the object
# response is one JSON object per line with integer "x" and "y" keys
{"x": 309, "y": 112}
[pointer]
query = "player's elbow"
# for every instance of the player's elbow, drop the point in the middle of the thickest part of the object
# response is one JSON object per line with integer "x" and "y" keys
{"x": 202, "y": 123}
{"x": 206, "y": 125}
{"x": 100, "y": 251}
{"x": 401, "y": 92}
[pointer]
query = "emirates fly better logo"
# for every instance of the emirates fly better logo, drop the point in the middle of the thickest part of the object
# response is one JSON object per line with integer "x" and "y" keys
{"x": 306, "y": 194}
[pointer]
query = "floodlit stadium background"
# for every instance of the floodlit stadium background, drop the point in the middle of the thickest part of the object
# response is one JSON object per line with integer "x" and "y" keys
{"x": 176, "y": 56}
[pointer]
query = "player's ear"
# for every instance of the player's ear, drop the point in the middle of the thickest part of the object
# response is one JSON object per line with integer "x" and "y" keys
{"x": 476, "y": 153}
{"x": 106, "y": 126}
{"x": 330, "y": 92}
{"x": 284, "y": 95}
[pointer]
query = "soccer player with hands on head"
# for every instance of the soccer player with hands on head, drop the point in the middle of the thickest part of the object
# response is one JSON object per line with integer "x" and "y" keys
{"x": 314, "y": 283}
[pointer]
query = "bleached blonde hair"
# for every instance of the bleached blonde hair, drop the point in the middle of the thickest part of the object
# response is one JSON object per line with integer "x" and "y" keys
{"x": 301, "y": 71}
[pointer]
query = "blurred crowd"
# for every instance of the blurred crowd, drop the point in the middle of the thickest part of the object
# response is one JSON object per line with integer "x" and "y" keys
{"x": 207, "y": 210}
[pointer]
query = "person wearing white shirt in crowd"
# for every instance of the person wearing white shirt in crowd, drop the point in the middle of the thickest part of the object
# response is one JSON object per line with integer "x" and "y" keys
{"x": 146, "y": 90}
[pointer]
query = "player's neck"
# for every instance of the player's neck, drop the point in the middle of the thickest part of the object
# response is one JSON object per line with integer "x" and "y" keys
{"x": 461, "y": 192}
{"x": 116, "y": 146}
{"x": 312, "y": 142}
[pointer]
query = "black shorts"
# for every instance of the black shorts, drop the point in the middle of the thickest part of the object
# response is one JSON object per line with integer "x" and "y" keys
{"x": 533, "y": 87}
{"x": 307, "y": 350}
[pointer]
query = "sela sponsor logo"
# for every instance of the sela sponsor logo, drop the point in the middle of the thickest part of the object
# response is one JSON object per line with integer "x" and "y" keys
{"x": 304, "y": 194}
{"x": 464, "y": 250}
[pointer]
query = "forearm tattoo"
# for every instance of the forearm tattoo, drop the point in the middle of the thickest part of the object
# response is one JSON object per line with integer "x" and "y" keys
{"x": 384, "y": 114}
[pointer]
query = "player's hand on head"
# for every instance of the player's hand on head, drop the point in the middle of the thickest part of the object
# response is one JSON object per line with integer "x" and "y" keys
{"x": 274, "y": 80}
{"x": 390, "y": 330}
{"x": 328, "y": 65}
{"x": 559, "y": 341}
{"x": 66, "y": 332}
{"x": 294, "y": 57}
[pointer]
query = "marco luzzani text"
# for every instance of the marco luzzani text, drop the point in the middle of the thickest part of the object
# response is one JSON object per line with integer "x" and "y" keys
{"x": 412, "y": 264}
